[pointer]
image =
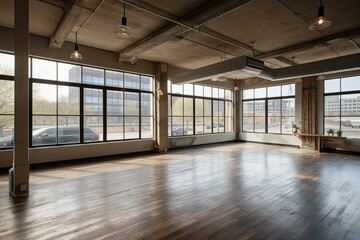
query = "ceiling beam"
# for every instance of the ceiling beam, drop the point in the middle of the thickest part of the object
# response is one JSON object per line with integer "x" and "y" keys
{"x": 196, "y": 18}
{"x": 74, "y": 17}
{"x": 307, "y": 45}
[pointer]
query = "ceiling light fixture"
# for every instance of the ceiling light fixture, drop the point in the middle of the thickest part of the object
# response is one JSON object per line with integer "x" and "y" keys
{"x": 76, "y": 55}
{"x": 321, "y": 22}
{"x": 123, "y": 30}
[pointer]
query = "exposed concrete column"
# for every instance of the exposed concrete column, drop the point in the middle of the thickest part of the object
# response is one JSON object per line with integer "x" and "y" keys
{"x": 237, "y": 112}
{"x": 161, "y": 96}
{"x": 19, "y": 173}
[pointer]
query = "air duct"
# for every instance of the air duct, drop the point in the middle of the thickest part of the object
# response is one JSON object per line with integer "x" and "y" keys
{"x": 236, "y": 68}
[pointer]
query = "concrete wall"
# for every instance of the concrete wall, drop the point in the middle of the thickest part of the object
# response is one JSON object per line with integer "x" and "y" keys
{"x": 194, "y": 140}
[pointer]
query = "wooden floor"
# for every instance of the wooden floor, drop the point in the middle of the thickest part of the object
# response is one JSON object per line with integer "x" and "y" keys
{"x": 228, "y": 191}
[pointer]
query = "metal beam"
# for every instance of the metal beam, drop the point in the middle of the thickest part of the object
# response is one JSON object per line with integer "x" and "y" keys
{"x": 74, "y": 17}
{"x": 201, "y": 15}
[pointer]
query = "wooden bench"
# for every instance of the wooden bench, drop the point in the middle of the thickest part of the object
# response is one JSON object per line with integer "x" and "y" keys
{"x": 318, "y": 136}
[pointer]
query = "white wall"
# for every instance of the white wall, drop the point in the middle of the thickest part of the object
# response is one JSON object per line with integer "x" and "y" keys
{"x": 193, "y": 140}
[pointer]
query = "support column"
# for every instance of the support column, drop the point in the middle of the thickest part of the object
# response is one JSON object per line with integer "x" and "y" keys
{"x": 161, "y": 96}
{"x": 19, "y": 173}
{"x": 308, "y": 118}
{"x": 237, "y": 111}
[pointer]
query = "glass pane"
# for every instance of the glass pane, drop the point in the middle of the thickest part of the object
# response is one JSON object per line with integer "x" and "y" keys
{"x": 207, "y": 107}
{"x": 43, "y": 69}
{"x": 228, "y": 124}
{"x": 69, "y": 72}
{"x": 207, "y": 124}
{"x": 114, "y": 79}
{"x": 248, "y": 124}
{"x": 147, "y": 127}
{"x": 248, "y": 108}
{"x": 68, "y": 100}
{"x": 93, "y": 101}
{"x": 215, "y": 125}
{"x": 7, "y": 64}
{"x": 331, "y": 123}
{"x": 146, "y": 83}
{"x": 115, "y": 128}
{"x": 286, "y": 124}
{"x": 332, "y": 105}
{"x": 260, "y": 124}
{"x": 288, "y": 90}
{"x": 188, "y": 125}
{"x": 115, "y": 103}
{"x": 350, "y": 84}
{"x": 274, "y": 107}
{"x": 248, "y": 94}
{"x": 199, "y": 90}
{"x": 221, "y": 93}
{"x": 228, "y": 109}
{"x": 221, "y": 108}
{"x": 215, "y": 92}
{"x": 199, "y": 125}
{"x": 6, "y": 97}
{"x": 68, "y": 129}
{"x": 221, "y": 124}
{"x": 350, "y": 105}
{"x": 169, "y": 86}
{"x": 207, "y": 91}
{"x": 93, "y": 76}
{"x": 132, "y": 127}
{"x": 228, "y": 94}
{"x": 259, "y": 108}
{"x": 215, "y": 108}
{"x": 169, "y": 126}
{"x": 93, "y": 129}
{"x": 146, "y": 104}
{"x": 131, "y": 104}
{"x": 199, "y": 107}
{"x": 350, "y": 127}
{"x": 44, "y": 98}
{"x": 44, "y": 130}
{"x": 273, "y": 124}
{"x": 188, "y": 89}
{"x": 274, "y": 91}
{"x": 177, "y": 126}
{"x": 260, "y": 92}
{"x": 6, "y": 131}
{"x": 332, "y": 85}
{"x": 177, "y": 88}
{"x": 188, "y": 107}
{"x": 177, "y": 106}
{"x": 288, "y": 107}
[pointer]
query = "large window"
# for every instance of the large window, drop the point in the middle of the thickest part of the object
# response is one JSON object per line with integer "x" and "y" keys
{"x": 79, "y": 104}
{"x": 6, "y": 100}
{"x": 268, "y": 109}
{"x": 342, "y": 105}
{"x": 198, "y": 109}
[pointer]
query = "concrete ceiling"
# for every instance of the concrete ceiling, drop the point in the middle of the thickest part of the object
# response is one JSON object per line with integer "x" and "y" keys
{"x": 205, "y": 32}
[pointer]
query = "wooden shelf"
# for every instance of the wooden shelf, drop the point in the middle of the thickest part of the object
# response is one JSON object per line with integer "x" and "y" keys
{"x": 318, "y": 136}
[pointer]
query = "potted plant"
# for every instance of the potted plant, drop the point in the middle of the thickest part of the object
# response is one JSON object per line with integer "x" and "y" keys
{"x": 295, "y": 128}
{"x": 330, "y": 131}
{"x": 339, "y": 133}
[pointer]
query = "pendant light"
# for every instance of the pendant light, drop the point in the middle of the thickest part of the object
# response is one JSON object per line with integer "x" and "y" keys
{"x": 76, "y": 55}
{"x": 321, "y": 22}
{"x": 123, "y": 30}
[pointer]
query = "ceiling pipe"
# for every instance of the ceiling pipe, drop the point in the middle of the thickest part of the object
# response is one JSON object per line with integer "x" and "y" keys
{"x": 243, "y": 47}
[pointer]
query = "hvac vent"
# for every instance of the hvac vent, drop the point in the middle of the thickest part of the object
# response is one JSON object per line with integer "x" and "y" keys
{"x": 239, "y": 68}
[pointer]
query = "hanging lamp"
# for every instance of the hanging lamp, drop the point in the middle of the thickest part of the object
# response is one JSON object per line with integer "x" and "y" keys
{"x": 321, "y": 22}
{"x": 76, "y": 55}
{"x": 123, "y": 30}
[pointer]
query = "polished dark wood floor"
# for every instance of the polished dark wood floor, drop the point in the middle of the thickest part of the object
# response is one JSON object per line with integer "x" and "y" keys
{"x": 228, "y": 191}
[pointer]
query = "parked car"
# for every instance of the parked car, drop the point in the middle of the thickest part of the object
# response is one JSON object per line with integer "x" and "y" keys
{"x": 179, "y": 131}
{"x": 48, "y": 136}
